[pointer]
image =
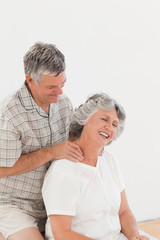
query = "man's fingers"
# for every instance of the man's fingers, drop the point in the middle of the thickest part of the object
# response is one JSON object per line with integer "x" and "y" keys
{"x": 76, "y": 147}
{"x": 74, "y": 155}
{"x": 68, "y": 150}
{"x": 73, "y": 150}
{"x": 72, "y": 159}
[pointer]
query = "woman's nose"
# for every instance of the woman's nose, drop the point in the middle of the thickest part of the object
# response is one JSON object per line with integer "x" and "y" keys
{"x": 108, "y": 125}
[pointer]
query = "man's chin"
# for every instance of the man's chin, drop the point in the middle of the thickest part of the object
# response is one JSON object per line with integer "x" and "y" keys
{"x": 54, "y": 99}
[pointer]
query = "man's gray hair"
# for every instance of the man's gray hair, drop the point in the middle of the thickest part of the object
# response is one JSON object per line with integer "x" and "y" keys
{"x": 95, "y": 102}
{"x": 43, "y": 58}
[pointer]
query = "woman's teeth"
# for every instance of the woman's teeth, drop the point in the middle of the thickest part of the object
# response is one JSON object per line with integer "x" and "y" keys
{"x": 104, "y": 134}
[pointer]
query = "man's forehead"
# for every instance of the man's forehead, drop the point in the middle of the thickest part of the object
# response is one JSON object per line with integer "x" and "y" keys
{"x": 61, "y": 78}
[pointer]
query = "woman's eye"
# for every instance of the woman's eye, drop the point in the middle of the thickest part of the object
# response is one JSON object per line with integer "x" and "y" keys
{"x": 115, "y": 125}
{"x": 104, "y": 119}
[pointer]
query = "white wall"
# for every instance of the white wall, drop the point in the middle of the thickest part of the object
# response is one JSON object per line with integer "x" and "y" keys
{"x": 111, "y": 46}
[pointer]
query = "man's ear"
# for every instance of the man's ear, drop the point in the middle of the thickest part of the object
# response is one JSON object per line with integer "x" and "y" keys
{"x": 28, "y": 79}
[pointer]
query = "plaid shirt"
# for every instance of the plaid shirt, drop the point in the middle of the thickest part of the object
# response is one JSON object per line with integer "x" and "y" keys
{"x": 24, "y": 128}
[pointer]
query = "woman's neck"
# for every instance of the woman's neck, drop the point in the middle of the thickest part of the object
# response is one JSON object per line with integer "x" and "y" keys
{"x": 90, "y": 152}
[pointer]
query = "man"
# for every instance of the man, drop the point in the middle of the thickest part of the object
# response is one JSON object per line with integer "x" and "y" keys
{"x": 34, "y": 128}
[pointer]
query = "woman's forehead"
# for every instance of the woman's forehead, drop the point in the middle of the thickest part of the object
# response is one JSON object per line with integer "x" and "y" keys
{"x": 109, "y": 113}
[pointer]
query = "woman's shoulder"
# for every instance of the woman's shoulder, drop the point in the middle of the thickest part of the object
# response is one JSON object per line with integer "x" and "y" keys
{"x": 64, "y": 167}
{"x": 110, "y": 159}
{"x": 60, "y": 165}
{"x": 108, "y": 154}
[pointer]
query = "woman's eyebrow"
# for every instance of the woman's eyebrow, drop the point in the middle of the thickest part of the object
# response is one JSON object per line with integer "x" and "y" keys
{"x": 105, "y": 115}
{"x": 116, "y": 120}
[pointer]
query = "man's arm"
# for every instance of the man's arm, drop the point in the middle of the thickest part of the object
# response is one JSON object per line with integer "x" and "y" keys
{"x": 30, "y": 161}
{"x": 61, "y": 228}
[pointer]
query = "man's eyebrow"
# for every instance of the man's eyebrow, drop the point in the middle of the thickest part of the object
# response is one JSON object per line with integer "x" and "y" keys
{"x": 56, "y": 85}
{"x": 51, "y": 85}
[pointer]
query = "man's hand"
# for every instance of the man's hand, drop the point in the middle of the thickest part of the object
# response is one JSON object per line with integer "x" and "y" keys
{"x": 67, "y": 150}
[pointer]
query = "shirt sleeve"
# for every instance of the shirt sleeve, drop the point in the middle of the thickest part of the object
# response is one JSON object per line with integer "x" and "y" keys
{"x": 10, "y": 144}
{"x": 60, "y": 194}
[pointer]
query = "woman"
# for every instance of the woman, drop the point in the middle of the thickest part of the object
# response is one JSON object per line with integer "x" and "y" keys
{"x": 88, "y": 200}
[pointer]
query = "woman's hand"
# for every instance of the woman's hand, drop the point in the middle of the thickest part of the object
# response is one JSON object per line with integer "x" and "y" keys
{"x": 141, "y": 237}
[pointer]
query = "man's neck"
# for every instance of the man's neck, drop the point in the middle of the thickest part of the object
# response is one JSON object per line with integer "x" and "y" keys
{"x": 45, "y": 107}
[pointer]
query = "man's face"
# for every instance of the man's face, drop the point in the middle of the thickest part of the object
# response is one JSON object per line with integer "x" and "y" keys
{"x": 48, "y": 90}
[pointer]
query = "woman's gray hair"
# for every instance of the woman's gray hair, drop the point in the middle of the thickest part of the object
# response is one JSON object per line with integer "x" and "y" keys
{"x": 43, "y": 59}
{"x": 82, "y": 114}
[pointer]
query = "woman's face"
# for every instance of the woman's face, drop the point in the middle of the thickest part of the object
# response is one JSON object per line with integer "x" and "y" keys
{"x": 102, "y": 127}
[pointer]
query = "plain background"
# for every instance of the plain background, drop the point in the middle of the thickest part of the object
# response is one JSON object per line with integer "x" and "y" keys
{"x": 110, "y": 46}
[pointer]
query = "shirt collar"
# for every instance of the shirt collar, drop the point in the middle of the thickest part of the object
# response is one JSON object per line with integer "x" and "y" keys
{"x": 26, "y": 99}
{"x": 28, "y": 102}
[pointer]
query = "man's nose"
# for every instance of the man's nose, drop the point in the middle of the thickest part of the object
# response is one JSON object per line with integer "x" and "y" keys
{"x": 59, "y": 90}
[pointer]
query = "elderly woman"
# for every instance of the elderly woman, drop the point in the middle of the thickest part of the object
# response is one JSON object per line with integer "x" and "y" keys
{"x": 88, "y": 200}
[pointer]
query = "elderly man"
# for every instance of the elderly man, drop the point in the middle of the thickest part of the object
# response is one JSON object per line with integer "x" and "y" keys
{"x": 34, "y": 128}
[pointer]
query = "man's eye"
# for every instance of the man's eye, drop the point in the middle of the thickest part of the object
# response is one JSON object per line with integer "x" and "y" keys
{"x": 51, "y": 87}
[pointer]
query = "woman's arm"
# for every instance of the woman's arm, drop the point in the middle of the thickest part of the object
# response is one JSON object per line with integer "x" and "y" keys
{"x": 61, "y": 228}
{"x": 128, "y": 222}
